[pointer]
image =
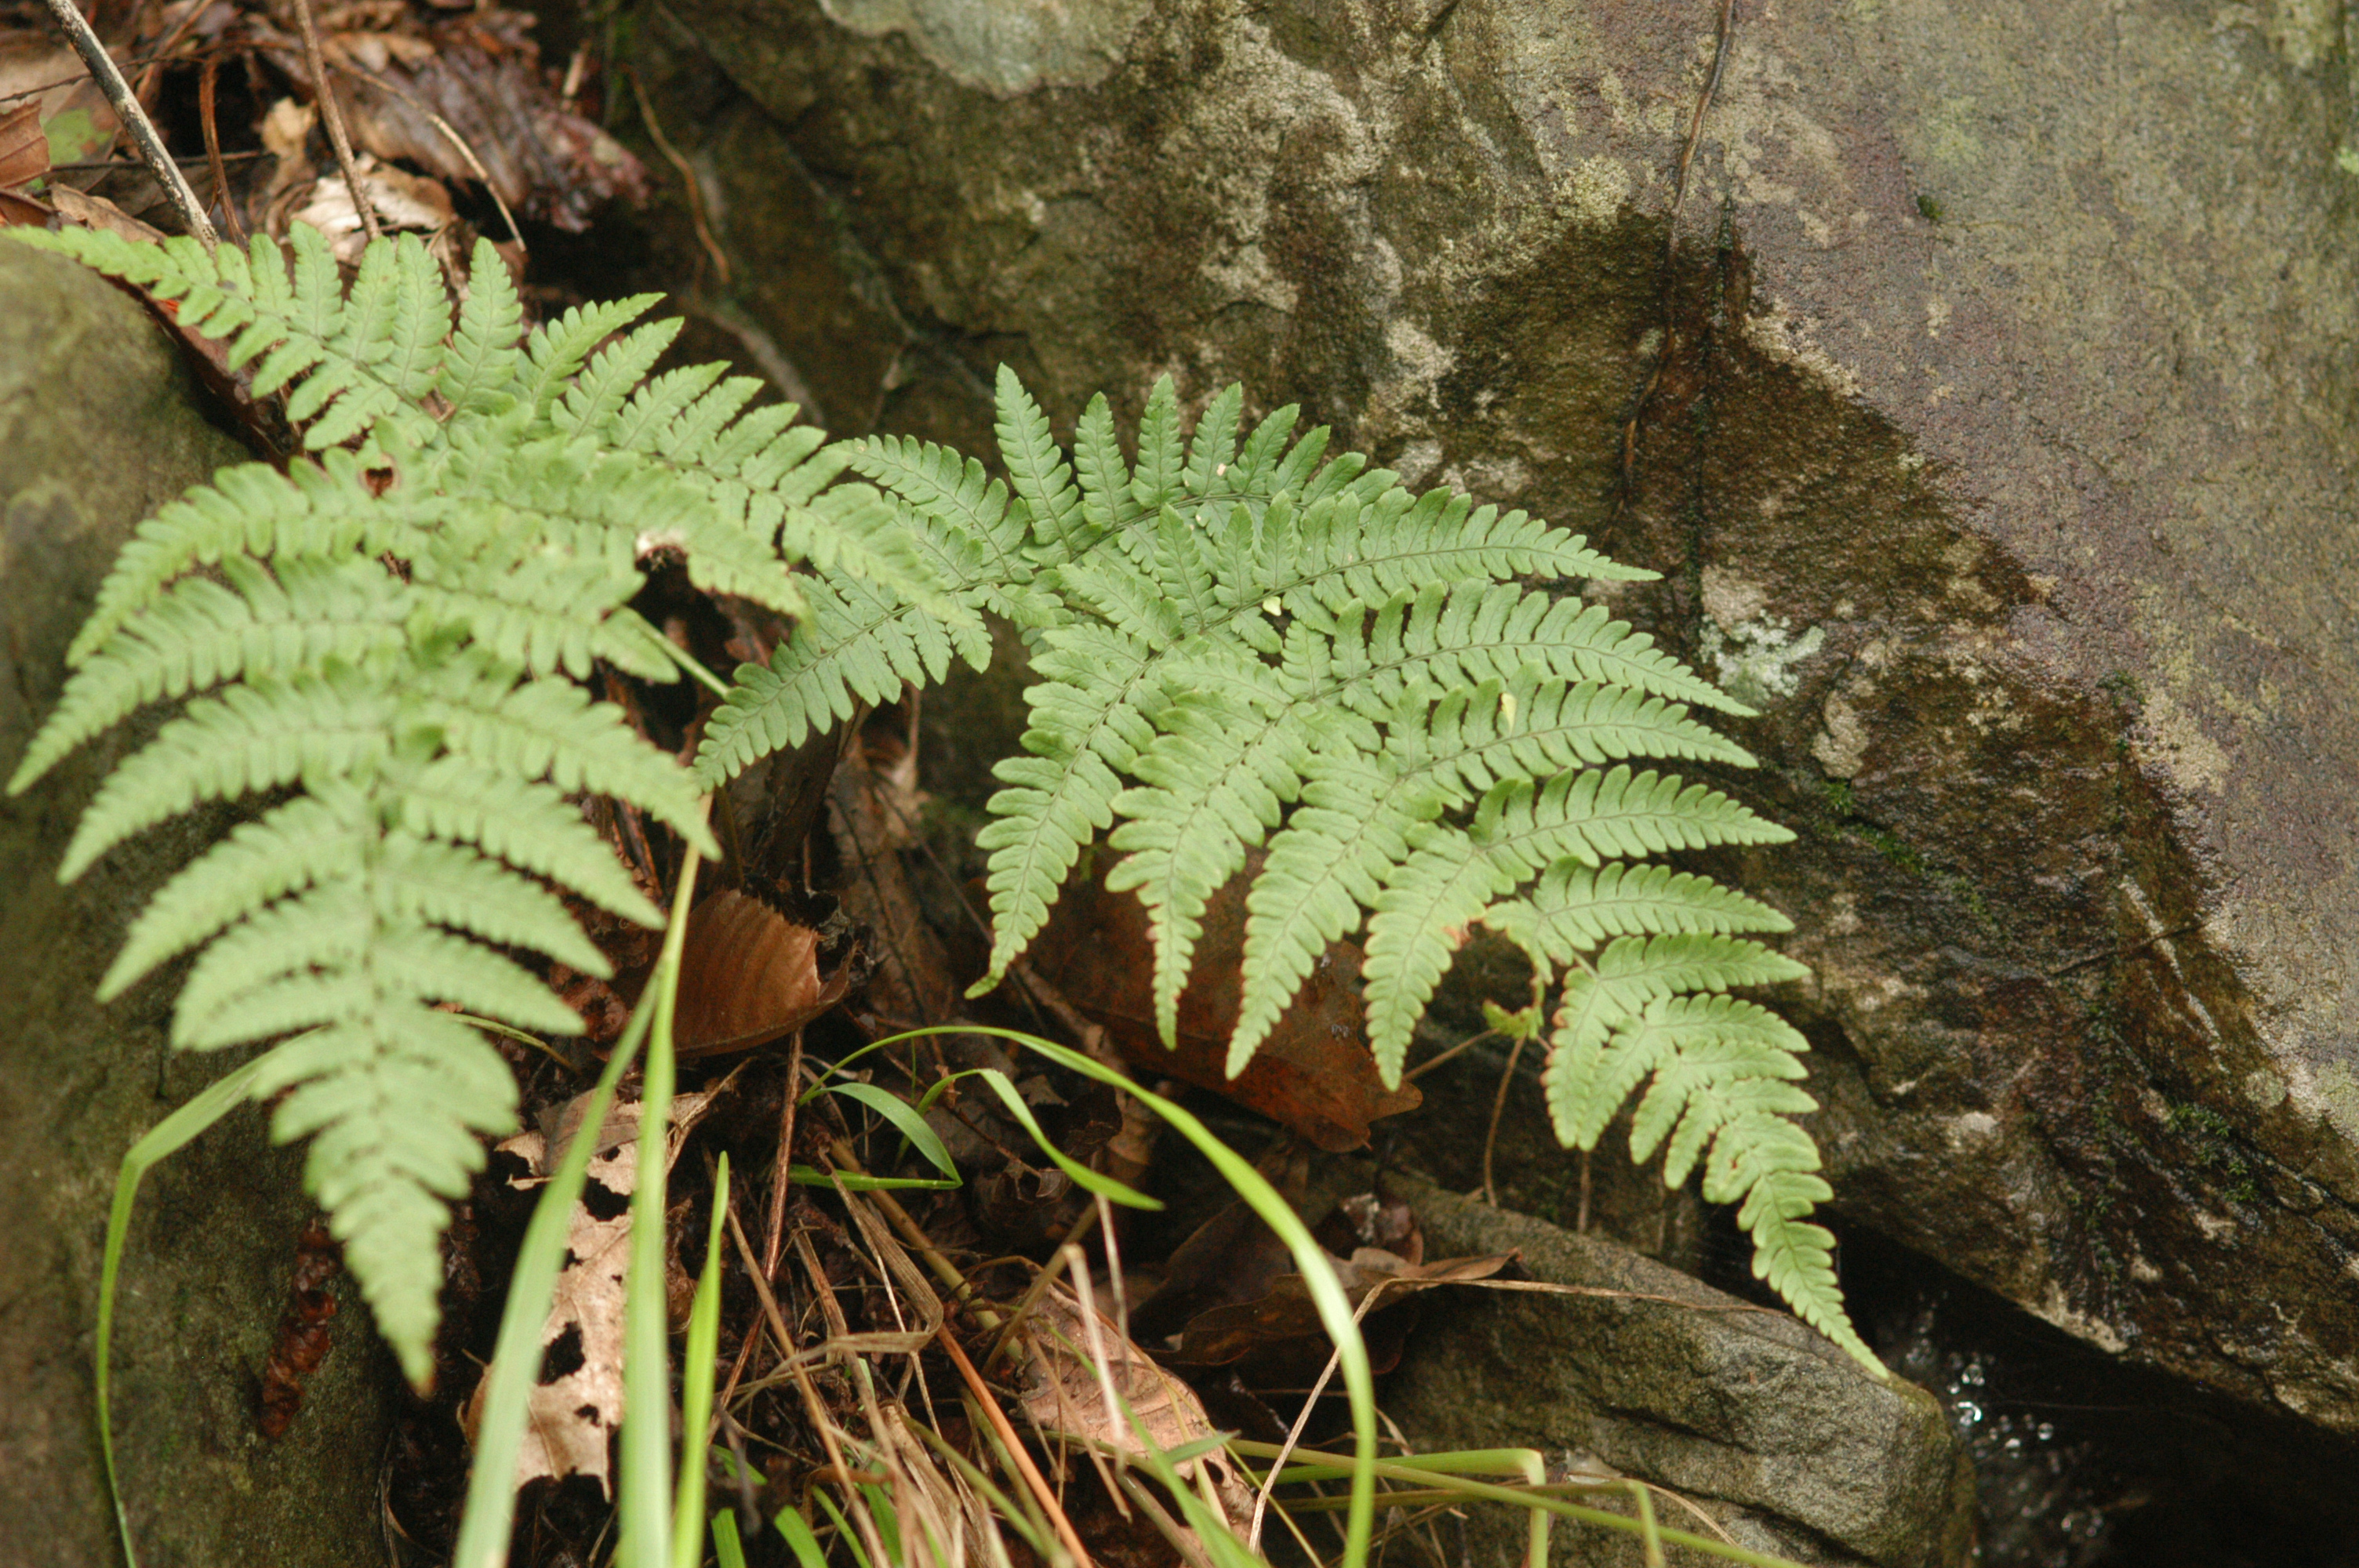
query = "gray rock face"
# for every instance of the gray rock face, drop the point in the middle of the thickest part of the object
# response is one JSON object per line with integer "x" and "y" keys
{"x": 1984, "y": 400}
{"x": 1786, "y": 1443}
{"x": 100, "y": 425}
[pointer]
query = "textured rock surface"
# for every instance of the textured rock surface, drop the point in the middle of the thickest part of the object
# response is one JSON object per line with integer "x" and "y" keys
{"x": 1984, "y": 402}
{"x": 1786, "y": 1443}
{"x": 99, "y": 426}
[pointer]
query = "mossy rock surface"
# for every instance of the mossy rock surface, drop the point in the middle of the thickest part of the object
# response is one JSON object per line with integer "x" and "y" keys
{"x": 1984, "y": 401}
{"x": 101, "y": 423}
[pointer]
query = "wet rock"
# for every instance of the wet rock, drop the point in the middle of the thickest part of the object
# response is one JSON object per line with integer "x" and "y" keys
{"x": 99, "y": 425}
{"x": 1981, "y": 390}
{"x": 1773, "y": 1432}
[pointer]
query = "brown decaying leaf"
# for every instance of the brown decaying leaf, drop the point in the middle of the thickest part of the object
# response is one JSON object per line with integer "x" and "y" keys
{"x": 24, "y": 146}
{"x": 98, "y": 212}
{"x": 1075, "y": 1361}
{"x": 872, "y": 801}
{"x": 748, "y": 976}
{"x": 573, "y": 1415}
{"x": 1313, "y": 1075}
{"x": 481, "y": 73}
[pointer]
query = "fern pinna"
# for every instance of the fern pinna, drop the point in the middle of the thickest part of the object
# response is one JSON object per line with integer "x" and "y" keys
{"x": 387, "y": 638}
{"x": 1241, "y": 645}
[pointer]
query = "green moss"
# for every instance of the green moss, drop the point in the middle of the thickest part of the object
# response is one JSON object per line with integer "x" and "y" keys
{"x": 2216, "y": 1150}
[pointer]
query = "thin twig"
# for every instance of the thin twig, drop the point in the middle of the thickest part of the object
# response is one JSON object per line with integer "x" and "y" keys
{"x": 712, "y": 250}
{"x": 783, "y": 1179}
{"x": 205, "y": 93}
{"x": 1672, "y": 244}
{"x": 1499, "y": 1109}
{"x": 1294, "y": 1433}
{"x": 153, "y": 64}
{"x": 332, "y": 112}
{"x": 135, "y": 119}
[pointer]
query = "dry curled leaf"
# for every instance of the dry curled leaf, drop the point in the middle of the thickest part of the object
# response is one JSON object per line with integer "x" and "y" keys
{"x": 23, "y": 145}
{"x": 1281, "y": 1334}
{"x": 748, "y": 976}
{"x": 1314, "y": 1076}
{"x": 1083, "y": 1372}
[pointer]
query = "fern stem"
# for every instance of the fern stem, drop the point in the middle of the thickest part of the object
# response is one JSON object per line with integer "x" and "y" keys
{"x": 694, "y": 669}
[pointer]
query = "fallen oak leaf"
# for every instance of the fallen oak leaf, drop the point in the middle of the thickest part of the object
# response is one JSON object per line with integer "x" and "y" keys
{"x": 23, "y": 145}
{"x": 1076, "y": 1362}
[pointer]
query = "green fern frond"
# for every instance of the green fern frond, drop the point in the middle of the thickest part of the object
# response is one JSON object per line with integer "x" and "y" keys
{"x": 1159, "y": 478}
{"x": 1248, "y": 645}
{"x": 1217, "y": 779}
{"x": 297, "y": 843}
{"x": 393, "y": 629}
{"x": 530, "y": 825}
{"x": 858, "y": 644}
{"x": 1043, "y": 481}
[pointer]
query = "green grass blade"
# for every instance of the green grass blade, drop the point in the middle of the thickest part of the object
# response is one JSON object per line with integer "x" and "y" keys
{"x": 905, "y": 1120}
{"x": 1096, "y": 1182}
{"x": 643, "y": 1498}
{"x": 161, "y": 1142}
{"x": 799, "y": 1540}
{"x": 490, "y": 1513}
{"x": 727, "y": 1550}
{"x": 697, "y": 1366}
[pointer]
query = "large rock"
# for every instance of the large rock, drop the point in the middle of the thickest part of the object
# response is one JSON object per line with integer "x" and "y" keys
{"x": 1778, "y": 1436}
{"x": 1984, "y": 402}
{"x": 99, "y": 425}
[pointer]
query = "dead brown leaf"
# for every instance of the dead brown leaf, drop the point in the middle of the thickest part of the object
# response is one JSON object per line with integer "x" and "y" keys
{"x": 576, "y": 1413}
{"x": 480, "y": 74}
{"x": 1082, "y": 1373}
{"x": 748, "y": 976}
{"x": 1281, "y": 1334}
{"x": 24, "y": 146}
{"x": 1313, "y": 1075}
{"x": 98, "y": 212}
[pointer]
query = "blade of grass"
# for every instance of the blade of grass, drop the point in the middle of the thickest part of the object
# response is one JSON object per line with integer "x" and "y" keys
{"x": 159, "y": 1143}
{"x": 1429, "y": 1469}
{"x": 1083, "y": 1177}
{"x": 906, "y": 1121}
{"x": 698, "y": 1365}
{"x": 796, "y": 1530}
{"x": 727, "y": 1550}
{"x": 643, "y": 1497}
{"x": 516, "y": 1358}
